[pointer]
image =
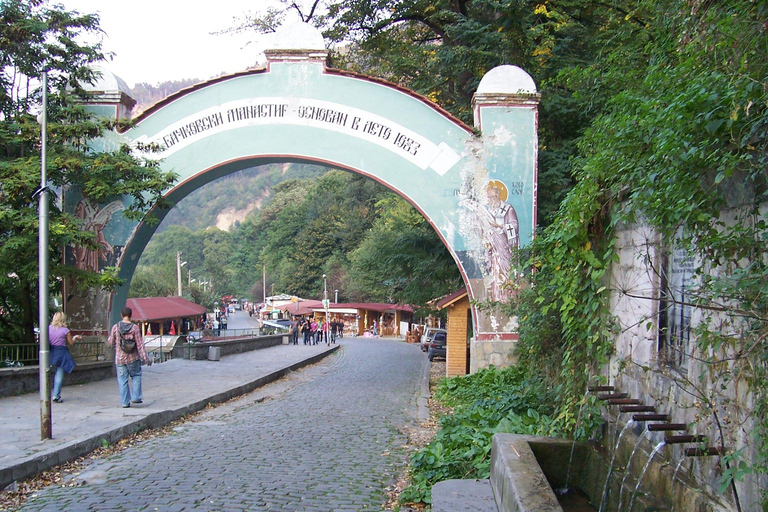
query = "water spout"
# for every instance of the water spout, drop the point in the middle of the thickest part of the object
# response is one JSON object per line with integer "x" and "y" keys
{"x": 674, "y": 476}
{"x": 628, "y": 469}
{"x": 629, "y": 424}
{"x": 642, "y": 474}
{"x": 573, "y": 446}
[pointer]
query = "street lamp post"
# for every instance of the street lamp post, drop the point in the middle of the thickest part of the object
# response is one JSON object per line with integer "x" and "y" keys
{"x": 44, "y": 356}
{"x": 325, "y": 299}
{"x": 179, "y": 264}
{"x": 325, "y": 289}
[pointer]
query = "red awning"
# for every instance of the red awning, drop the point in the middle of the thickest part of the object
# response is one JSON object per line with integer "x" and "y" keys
{"x": 152, "y": 309}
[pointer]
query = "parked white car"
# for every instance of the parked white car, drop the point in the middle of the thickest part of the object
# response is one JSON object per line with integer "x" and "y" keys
{"x": 426, "y": 338}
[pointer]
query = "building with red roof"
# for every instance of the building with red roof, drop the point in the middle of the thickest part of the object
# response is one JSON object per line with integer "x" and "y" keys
{"x": 358, "y": 317}
{"x": 166, "y": 315}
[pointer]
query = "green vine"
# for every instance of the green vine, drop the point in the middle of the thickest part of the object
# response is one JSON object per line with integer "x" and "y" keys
{"x": 683, "y": 150}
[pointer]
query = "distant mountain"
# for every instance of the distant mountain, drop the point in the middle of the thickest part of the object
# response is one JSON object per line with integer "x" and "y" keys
{"x": 227, "y": 200}
{"x": 147, "y": 95}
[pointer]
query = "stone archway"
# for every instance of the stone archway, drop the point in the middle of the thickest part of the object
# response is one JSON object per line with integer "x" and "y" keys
{"x": 477, "y": 187}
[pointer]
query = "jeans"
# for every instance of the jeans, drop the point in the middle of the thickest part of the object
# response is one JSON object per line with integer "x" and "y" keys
{"x": 58, "y": 380}
{"x": 132, "y": 370}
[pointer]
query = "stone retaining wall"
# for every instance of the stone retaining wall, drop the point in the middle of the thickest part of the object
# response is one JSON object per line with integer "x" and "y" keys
{"x": 483, "y": 354}
{"x": 199, "y": 351}
{"x": 26, "y": 379}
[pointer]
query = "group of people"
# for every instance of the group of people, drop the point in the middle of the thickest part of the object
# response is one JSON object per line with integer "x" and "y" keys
{"x": 315, "y": 332}
{"x": 216, "y": 324}
{"x": 127, "y": 360}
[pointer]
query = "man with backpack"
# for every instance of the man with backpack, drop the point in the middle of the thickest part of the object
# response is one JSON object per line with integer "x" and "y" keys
{"x": 129, "y": 353}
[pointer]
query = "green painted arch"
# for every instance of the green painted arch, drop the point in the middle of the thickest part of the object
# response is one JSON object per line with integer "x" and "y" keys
{"x": 306, "y": 113}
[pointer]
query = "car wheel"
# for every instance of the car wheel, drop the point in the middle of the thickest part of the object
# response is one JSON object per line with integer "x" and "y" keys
{"x": 431, "y": 357}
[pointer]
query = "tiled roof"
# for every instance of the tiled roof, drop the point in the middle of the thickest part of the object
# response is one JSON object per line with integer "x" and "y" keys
{"x": 163, "y": 308}
{"x": 451, "y": 298}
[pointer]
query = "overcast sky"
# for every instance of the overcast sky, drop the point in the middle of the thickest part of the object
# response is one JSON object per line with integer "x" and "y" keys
{"x": 158, "y": 40}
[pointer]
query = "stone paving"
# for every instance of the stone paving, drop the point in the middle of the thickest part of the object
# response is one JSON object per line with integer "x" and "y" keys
{"x": 325, "y": 439}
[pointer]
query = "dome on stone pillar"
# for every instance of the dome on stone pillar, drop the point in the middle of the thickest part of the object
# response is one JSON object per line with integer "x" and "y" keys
{"x": 506, "y": 79}
{"x": 297, "y": 42}
{"x": 298, "y": 36}
{"x": 112, "y": 91}
{"x": 107, "y": 82}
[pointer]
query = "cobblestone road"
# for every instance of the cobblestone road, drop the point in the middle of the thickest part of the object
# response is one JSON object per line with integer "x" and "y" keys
{"x": 327, "y": 438}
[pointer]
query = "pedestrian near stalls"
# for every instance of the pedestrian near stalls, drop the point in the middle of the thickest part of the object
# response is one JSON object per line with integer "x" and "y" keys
{"x": 334, "y": 327}
{"x": 324, "y": 329}
{"x": 294, "y": 331}
{"x": 128, "y": 363}
{"x": 306, "y": 330}
{"x": 313, "y": 327}
{"x": 58, "y": 338}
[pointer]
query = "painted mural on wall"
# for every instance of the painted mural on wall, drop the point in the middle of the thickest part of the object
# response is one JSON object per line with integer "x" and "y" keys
{"x": 496, "y": 224}
{"x": 497, "y": 214}
{"x": 87, "y": 309}
{"x": 94, "y": 219}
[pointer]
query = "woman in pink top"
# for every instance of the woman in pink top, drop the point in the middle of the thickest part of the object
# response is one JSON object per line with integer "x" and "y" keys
{"x": 313, "y": 326}
{"x": 58, "y": 337}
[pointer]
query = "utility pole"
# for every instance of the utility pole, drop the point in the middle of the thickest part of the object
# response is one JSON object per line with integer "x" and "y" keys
{"x": 264, "y": 283}
{"x": 179, "y": 264}
{"x": 44, "y": 357}
{"x": 325, "y": 297}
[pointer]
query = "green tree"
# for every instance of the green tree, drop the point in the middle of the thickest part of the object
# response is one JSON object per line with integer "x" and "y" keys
{"x": 401, "y": 259}
{"x": 36, "y": 38}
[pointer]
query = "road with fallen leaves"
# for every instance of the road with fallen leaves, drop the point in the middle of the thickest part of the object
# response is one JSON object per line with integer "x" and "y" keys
{"x": 329, "y": 438}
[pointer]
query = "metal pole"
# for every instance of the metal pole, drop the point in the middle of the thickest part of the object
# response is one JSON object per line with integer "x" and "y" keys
{"x": 44, "y": 356}
{"x": 325, "y": 297}
{"x": 264, "y": 283}
{"x": 178, "y": 270}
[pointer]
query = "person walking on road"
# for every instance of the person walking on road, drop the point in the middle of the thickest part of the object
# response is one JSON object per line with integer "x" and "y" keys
{"x": 306, "y": 330}
{"x": 128, "y": 360}
{"x": 334, "y": 325}
{"x": 58, "y": 337}
{"x": 313, "y": 327}
{"x": 294, "y": 331}
{"x": 324, "y": 328}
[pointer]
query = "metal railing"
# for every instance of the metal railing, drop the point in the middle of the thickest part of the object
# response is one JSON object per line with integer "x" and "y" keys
{"x": 226, "y": 334}
{"x": 161, "y": 351}
{"x": 26, "y": 354}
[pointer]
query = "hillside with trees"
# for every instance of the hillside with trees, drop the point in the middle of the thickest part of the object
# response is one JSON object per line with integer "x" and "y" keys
{"x": 372, "y": 245}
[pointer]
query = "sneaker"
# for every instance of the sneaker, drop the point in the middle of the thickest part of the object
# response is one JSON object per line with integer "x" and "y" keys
{"x": 126, "y": 406}
{"x": 58, "y": 400}
{"x": 137, "y": 401}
